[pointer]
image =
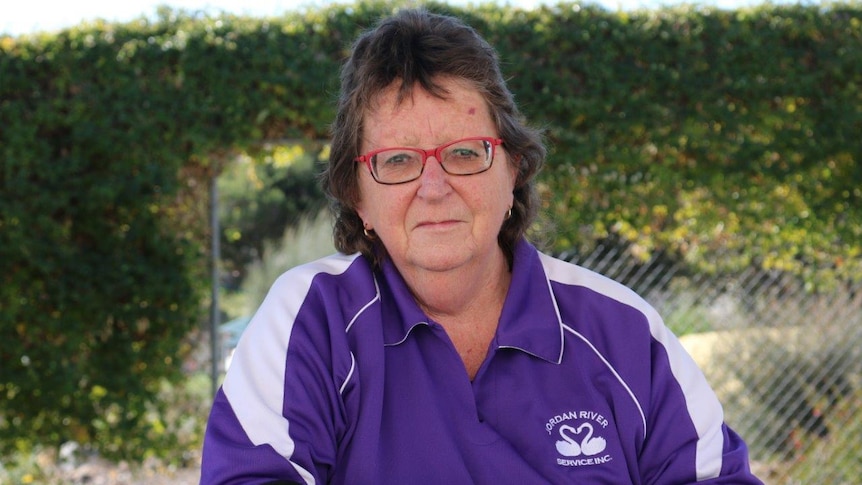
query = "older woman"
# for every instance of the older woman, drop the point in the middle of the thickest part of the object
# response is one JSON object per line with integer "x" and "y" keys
{"x": 440, "y": 346}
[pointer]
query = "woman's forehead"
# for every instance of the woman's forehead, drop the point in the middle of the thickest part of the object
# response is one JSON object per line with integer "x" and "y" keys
{"x": 383, "y": 113}
{"x": 396, "y": 97}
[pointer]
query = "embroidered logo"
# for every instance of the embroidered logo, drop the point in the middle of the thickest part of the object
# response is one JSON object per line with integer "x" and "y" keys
{"x": 578, "y": 438}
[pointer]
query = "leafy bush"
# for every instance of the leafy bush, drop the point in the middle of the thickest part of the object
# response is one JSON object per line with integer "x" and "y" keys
{"x": 310, "y": 239}
{"x": 174, "y": 441}
{"x": 262, "y": 194}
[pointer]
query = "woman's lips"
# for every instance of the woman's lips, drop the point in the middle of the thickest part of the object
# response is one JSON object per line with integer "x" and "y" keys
{"x": 437, "y": 224}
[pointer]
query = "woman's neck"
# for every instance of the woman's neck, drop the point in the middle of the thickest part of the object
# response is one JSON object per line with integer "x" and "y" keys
{"x": 460, "y": 292}
{"x": 467, "y": 303}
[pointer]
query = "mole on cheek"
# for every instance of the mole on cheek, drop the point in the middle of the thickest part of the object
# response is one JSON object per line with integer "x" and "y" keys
{"x": 472, "y": 111}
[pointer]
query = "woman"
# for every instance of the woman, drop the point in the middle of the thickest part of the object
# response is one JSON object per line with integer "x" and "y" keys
{"x": 440, "y": 346}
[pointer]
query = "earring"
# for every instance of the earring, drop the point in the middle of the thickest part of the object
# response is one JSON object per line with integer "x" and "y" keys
{"x": 369, "y": 233}
{"x": 508, "y": 214}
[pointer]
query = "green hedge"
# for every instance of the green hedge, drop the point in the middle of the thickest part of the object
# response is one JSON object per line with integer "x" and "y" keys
{"x": 701, "y": 130}
{"x": 689, "y": 130}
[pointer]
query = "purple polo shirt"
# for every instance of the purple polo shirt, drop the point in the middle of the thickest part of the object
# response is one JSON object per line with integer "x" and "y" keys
{"x": 341, "y": 378}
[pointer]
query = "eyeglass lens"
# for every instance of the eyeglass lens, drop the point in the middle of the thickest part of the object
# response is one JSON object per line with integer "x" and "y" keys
{"x": 462, "y": 157}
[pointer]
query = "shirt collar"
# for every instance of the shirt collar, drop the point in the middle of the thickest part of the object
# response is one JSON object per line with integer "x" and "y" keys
{"x": 529, "y": 322}
{"x": 401, "y": 313}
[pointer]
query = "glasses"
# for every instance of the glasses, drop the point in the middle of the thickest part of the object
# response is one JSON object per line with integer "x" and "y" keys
{"x": 398, "y": 165}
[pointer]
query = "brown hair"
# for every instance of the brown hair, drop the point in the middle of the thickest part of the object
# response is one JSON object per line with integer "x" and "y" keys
{"x": 416, "y": 46}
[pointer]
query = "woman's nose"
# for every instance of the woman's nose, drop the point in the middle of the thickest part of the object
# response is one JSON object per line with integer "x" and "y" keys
{"x": 434, "y": 181}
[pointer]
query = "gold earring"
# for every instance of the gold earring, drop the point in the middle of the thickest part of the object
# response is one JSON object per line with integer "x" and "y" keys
{"x": 508, "y": 214}
{"x": 369, "y": 233}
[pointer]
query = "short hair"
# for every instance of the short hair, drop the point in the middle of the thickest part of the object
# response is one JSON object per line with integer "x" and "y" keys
{"x": 412, "y": 47}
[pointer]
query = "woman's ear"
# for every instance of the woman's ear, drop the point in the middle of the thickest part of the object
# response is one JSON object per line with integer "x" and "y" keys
{"x": 515, "y": 171}
{"x": 361, "y": 215}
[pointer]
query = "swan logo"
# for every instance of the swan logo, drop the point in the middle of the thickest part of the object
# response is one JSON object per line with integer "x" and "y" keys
{"x": 578, "y": 438}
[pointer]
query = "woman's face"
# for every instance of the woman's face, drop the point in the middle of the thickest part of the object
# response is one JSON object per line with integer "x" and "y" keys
{"x": 437, "y": 222}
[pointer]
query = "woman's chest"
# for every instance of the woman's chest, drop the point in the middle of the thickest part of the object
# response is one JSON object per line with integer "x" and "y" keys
{"x": 522, "y": 420}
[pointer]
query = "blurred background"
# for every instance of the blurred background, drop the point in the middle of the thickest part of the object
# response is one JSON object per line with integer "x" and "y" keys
{"x": 29, "y": 17}
{"x": 159, "y": 170}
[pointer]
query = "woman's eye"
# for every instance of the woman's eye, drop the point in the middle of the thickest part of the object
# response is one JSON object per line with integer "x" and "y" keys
{"x": 464, "y": 153}
{"x": 398, "y": 159}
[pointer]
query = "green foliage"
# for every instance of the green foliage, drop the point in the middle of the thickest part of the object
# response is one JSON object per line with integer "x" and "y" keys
{"x": 690, "y": 131}
{"x": 310, "y": 239}
{"x": 261, "y": 194}
{"x": 697, "y": 130}
{"x": 178, "y": 421}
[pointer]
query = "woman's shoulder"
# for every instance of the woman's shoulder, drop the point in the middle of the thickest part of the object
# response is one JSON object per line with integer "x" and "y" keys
{"x": 340, "y": 279}
{"x": 314, "y": 297}
{"x": 574, "y": 275}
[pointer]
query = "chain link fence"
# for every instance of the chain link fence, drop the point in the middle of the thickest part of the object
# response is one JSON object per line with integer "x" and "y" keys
{"x": 785, "y": 360}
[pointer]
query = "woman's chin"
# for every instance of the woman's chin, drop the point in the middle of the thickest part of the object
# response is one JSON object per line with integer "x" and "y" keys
{"x": 440, "y": 259}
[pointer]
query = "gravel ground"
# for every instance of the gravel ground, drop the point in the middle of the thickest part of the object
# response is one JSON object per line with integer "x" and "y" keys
{"x": 185, "y": 476}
